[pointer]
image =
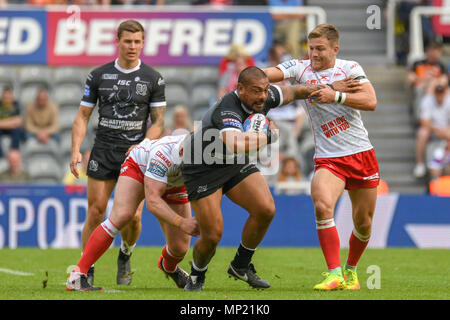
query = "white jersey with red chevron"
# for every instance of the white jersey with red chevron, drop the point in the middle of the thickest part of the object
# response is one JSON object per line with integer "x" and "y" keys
{"x": 160, "y": 159}
{"x": 338, "y": 129}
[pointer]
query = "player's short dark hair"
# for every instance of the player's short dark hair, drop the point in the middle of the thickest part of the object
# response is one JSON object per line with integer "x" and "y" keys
{"x": 250, "y": 73}
{"x": 132, "y": 26}
{"x": 325, "y": 30}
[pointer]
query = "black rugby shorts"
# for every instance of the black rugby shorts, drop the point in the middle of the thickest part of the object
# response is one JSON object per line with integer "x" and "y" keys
{"x": 105, "y": 162}
{"x": 203, "y": 180}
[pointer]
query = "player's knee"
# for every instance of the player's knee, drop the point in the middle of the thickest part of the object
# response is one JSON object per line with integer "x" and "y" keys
{"x": 96, "y": 212}
{"x": 267, "y": 211}
{"x": 364, "y": 226}
{"x": 323, "y": 209}
{"x": 212, "y": 237}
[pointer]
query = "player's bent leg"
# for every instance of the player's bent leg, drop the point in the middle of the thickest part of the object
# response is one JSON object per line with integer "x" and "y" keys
{"x": 98, "y": 194}
{"x": 252, "y": 194}
{"x": 326, "y": 188}
{"x": 126, "y": 214}
{"x": 177, "y": 245}
{"x": 128, "y": 195}
{"x": 363, "y": 204}
{"x": 209, "y": 217}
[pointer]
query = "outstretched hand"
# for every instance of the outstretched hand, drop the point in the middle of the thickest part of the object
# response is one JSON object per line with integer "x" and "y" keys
{"x": 347, "y": 85}
{"x": 323, "y": 95}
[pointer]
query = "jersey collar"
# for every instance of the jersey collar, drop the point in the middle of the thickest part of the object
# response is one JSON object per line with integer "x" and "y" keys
{"x": 116, "y": 65}
{"x": 249, "y": 111}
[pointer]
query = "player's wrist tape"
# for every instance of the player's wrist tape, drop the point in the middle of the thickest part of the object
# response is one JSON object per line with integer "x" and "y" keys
{"x": 340, "y": 97}
{"x": 271, "y": 136}
{"x": 177, "y": 221}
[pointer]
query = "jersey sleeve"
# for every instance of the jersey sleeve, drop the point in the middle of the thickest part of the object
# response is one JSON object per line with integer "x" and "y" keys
{"x": 275, "y": 97}
{"x": 225, "y": 120}
{"x": 356, "y": 72}
{"x": 292, "y": 68}
{"x": 90, "y": 94}
{"x": 158, "y": 97}
{"x": 157, "y": 169}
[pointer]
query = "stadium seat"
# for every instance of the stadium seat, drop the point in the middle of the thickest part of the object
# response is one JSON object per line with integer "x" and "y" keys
{"x": 203, "y": 96}
{"x": 28, "y": 94}
{"x": 7, "y": 78}
{"x": 205, "y": 75}
{"x": 44, "y": 168}
{"x": 176, "y": 94}
{"x": 33, "y": 147}
{"x": 36, "y": 76}
{"x": 67, "y": 94}
{"x": 174, "y": 75}
{"x": 69, "y": 75}
{"x": 66, "y": 117}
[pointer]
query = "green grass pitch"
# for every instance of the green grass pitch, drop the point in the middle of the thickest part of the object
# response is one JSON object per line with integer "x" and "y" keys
{"x": 292, "y": 272}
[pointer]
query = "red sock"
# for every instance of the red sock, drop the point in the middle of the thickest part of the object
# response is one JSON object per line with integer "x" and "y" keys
{"x": 357, "y": 247}
{"x": 330, "y": 244}
{"x": 98, "y": 243}
{"x": 170, "y": 262}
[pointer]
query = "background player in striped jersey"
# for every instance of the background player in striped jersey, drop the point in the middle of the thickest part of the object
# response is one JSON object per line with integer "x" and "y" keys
{"x": 151, "y": 171}
{"x": 344, "y": 157}
{"x": 128, "y": 92}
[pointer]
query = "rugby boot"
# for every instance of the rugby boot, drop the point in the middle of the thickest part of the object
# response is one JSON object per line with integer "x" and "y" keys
{"x": 124, "y": 274}
{"x": 180, "y": 277}
{"x": 248, "y": 275}
{"x": 78, "y": 282}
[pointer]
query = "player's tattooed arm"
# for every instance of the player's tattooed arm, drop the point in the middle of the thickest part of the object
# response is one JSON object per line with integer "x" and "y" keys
{"x": 295, "y": 92}
{"x": 157, "y": 117}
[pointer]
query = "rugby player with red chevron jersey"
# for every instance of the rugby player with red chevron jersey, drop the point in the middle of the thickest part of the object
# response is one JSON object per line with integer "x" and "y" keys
{"x": 344, "y": 157}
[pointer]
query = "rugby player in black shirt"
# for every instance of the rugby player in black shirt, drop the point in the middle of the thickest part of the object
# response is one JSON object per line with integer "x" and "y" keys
{"x": 209, "y": 173}
{"x": 127, "y": 92}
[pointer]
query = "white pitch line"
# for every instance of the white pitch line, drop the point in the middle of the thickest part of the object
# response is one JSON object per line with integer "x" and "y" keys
{"x": 15, "y": 272}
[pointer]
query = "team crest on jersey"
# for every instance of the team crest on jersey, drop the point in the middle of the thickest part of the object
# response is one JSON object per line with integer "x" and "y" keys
{"x": 93, "y": 165}
{"x": 141, "y": 89}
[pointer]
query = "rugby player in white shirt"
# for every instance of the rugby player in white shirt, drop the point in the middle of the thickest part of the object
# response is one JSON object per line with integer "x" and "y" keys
{"x": 344, "y": 157}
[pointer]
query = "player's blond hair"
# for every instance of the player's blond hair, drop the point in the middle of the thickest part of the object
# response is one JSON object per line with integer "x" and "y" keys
{"x": 132, "y": 26}
{"x": 327, "y": 30}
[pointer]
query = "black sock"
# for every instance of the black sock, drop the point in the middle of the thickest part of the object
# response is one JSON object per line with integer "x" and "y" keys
{"x": 243, "y": 257}
{"x": 195, "y": 272}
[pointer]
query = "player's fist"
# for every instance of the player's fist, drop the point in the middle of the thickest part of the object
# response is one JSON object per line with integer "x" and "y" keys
{"x": 190, "y": 226}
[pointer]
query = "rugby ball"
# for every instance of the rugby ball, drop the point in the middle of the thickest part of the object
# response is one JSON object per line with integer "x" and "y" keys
{"x": 257, "y": 122}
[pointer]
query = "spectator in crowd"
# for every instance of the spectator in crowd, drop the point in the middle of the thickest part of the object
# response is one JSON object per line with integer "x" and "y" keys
{"x": 181, "y": 122}
{"x": 434, "y": 123}
{"x": 42, "y": 118}
{"x": 70, "y": 179}
{"x": 14, "y": 173}
{"x": 236, "y": 50}
{"x": 228, "y": 80}
{"x": 422, "y": 73}
{"x": 289, "y": 118}
{"x": 289, "y": 26}
{"x": 10, "y": 119}
{"x": 290, "y": 180}
{"x": 440, "y": 162}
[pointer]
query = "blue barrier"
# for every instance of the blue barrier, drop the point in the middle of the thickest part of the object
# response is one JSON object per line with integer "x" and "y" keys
{"x": 53, "y": 216}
